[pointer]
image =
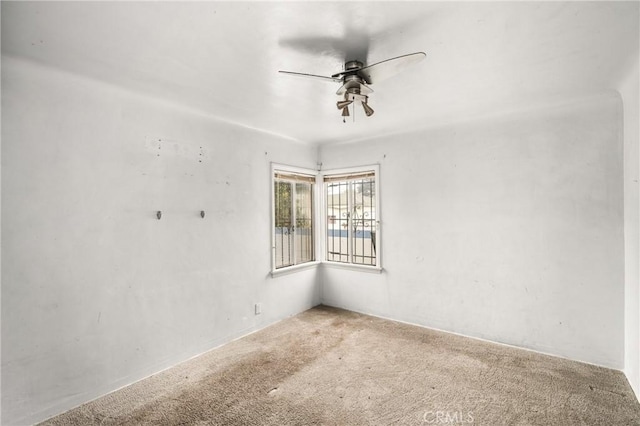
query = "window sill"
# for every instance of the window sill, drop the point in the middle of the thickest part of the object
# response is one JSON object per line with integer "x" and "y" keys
{"x": 337, "y": 265}
{"x": 294, "y": 268}
{"x": 352, "y": 267}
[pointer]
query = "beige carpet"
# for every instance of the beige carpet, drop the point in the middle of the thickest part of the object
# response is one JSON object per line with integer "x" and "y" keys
{"x": 332, "y": 367}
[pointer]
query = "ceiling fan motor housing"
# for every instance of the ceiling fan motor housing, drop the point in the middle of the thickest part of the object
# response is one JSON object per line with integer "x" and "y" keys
{"x": 352, "y": 66}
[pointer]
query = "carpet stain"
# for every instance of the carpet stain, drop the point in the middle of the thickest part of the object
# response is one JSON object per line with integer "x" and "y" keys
{"x": 328, "y": 366}
{"x": 224, "y": 396}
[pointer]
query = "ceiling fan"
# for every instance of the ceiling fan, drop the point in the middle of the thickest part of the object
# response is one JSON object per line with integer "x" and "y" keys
{"x": 357, "y": 76}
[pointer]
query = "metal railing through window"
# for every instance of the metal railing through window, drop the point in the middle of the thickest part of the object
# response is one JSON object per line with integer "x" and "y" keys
{"x": 293, "y": 219}
{"x": 351, "y": 218}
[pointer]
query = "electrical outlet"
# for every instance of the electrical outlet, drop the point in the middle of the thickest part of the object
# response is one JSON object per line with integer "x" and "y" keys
{"x": 258, "y": 308}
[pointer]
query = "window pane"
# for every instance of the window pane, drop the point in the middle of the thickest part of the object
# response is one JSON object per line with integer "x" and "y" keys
{"x": 283, "y": 226}
{"x": 304, "y": 216}
{"x": 363, "y": 221}
{"x": 337, "y": 221}
{"x": 351, "y": 219}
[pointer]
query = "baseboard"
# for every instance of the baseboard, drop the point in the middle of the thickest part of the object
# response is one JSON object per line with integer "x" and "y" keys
{"x": 81, "y": 399}
{"x": 635, "y": 389}
{"x": 335, "y": 305}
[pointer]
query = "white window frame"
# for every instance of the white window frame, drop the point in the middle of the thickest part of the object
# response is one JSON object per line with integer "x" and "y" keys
{"x": 320, "y": 219}
{"x": 323, "y": 228}
{"x": 275, "y": 167}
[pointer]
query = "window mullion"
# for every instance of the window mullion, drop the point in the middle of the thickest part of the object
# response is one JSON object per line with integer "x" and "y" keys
{"x": 293, "y": 222}
{"x": 350, "y": 236}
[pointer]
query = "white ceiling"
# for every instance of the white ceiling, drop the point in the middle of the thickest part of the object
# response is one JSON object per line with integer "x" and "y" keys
{"x": 223, "y": 58}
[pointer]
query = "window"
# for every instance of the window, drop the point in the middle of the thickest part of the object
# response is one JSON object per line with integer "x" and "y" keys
{"x": 293, "y": 211}
{"x": 352, "y": 216}
{"x": 348, "y": 236}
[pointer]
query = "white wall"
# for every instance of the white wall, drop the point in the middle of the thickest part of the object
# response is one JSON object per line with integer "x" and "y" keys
{"x": 630, "y": 91}
{"x": 508, "y": 229}
{"x": 96, "y": 292}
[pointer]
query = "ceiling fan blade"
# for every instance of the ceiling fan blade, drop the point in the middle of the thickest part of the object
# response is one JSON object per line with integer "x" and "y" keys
{"x": 320, "y": 77}
{"x": 388, "y": 68}
{"x": 364, "y": 90}
{"x": 344, "y": 73}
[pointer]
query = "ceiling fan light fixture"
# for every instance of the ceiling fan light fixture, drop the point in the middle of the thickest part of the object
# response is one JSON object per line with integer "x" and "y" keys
{"x": 343, "y": 104}
{"x": 345, "y": 111}
{"x": 367, "y": 109}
